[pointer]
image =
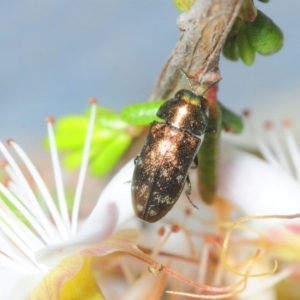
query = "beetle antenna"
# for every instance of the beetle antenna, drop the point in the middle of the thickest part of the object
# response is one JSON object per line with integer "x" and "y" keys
{"x": 216, "y": 82}
{"x": 188, "y": 79}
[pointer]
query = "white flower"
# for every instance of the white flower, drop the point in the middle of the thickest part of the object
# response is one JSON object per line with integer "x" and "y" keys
{"x": 264, "y": 187}
{"x": 28, "y": 253}
{"x": 254, "y": 185}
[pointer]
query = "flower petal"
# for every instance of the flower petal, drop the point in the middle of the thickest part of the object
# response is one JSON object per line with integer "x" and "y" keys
{"x": 71, "y": 279}
{"x": 255, "y": 186}
{"x": 93, "y": 233}
{"x": 17, "y": 285}
{"x": 118, "y": 191}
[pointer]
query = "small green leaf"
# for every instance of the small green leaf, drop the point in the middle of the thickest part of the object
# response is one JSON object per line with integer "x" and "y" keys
{"x": 73, "y": 159}
{"x": 230, "y": 121}
{"x": 110, "y": 130}
{"x": 184, "y": 5}
{"x": 141, "y": 114}
{"x": 105, "y": 160}
{"x": 109, "y": 119}
{"x": 69, "y": 132}
{"x": 264, "y": 35}
{"x": 246, "y": 51}
{"x": 72, "y": 123}
{"x": 230, "y": 49}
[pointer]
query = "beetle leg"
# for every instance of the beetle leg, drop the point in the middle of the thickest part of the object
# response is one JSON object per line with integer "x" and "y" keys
{"x": 210, "y": 129}
{"x": 135, "y": 159}
{"x": 188, "y": 191}
{"x": 196, "y": 163}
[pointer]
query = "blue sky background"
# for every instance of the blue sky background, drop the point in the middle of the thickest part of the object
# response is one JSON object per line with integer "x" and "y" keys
{"x": 56, "y": 54}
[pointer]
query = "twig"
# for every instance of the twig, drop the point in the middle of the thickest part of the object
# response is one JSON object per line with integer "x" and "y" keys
{"x": 204, "y": 29}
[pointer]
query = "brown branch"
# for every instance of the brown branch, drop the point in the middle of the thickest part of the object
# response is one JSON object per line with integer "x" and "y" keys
{"x": 204, "y": 29}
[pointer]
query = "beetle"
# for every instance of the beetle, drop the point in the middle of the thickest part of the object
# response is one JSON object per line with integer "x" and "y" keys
{"x": 161, "y": 169}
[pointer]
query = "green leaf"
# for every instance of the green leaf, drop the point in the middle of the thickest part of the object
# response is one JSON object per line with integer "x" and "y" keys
{"x": 264, "y": 35}
{"x": 73, "y": 159}
{"x": 107, "y": 118}
{"x": 141, "y": 114}
{"x": 230, "y": 121}
{"x": 70, "y": 132}
{"x": 246, "y": 51}
{"x": 230, "y": 49}
{"x": 184, "y": 5}
{"x": 108, "y": 157}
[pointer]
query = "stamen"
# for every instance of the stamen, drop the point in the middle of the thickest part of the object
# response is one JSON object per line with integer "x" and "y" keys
{"x": 277, "y": 147}
{"x": 161, "y": 231}
{"x": 292, "y": 147}
{"x": 9, "y": 249}
{"x": 58, "y": 175}
{"x": 261, "y": 144}
{"x": 246, "y": 113}
{"x": 22, "y": 198}
{"x": 162, "y": 241}
{"x": 130, "y": 276}
{"x": 24, "y": 211}
{"x": 175, "y": 228}
{"x": 16, "y": 239}
{"x": 266, "y": 152}
{"x": 21, "y": 182}
{"x": 268, "y": 282}
{"x": 218, "y": 277}
{"x": 43, "y": 190}
{"x": 11, "y": 265}
{"x": 203, "y": 265}
{"x": 17, "y": 226}
{"x": 83, "y": 168}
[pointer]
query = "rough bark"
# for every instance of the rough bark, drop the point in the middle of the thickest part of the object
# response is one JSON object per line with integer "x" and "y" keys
{"x": 204, "y": 29}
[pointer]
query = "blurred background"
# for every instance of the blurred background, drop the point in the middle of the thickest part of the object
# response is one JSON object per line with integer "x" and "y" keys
{"x": 56, "y": 54}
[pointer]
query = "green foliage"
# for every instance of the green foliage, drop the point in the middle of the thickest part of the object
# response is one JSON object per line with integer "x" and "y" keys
{"x": 246, "y": 38}
{"x": 184, "y": 5}
{"x": 264, "y": 35}
{"x": 108, "y": 157}
{"x": 245, "y": 49}
{"x": 109, "y": 141}
{"x": 8, "y": 203}
{"x": 231, "y": 50}
{"x": 231, "y": 122}
{"x": 141, "y": 114}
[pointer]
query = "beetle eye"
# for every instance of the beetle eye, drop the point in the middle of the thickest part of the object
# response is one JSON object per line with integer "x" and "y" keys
{"x": 179, "y": 93}
{"x": 204, "y": 104}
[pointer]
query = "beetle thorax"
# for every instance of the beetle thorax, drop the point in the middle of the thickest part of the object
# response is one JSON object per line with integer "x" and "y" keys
{"x": 187, "y": 116}
{"x": 185, "y": 112}
{"x": 180, "y": 116}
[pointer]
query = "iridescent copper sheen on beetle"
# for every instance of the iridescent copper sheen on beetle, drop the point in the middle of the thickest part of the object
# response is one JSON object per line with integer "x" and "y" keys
{"x": 161, "y": 169}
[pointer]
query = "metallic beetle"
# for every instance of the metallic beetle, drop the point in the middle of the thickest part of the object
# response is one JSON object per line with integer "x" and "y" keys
{"x": 161, "y": 169}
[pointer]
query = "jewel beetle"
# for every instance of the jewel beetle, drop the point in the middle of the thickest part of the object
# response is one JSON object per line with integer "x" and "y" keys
{"x": 161, "y": 169}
